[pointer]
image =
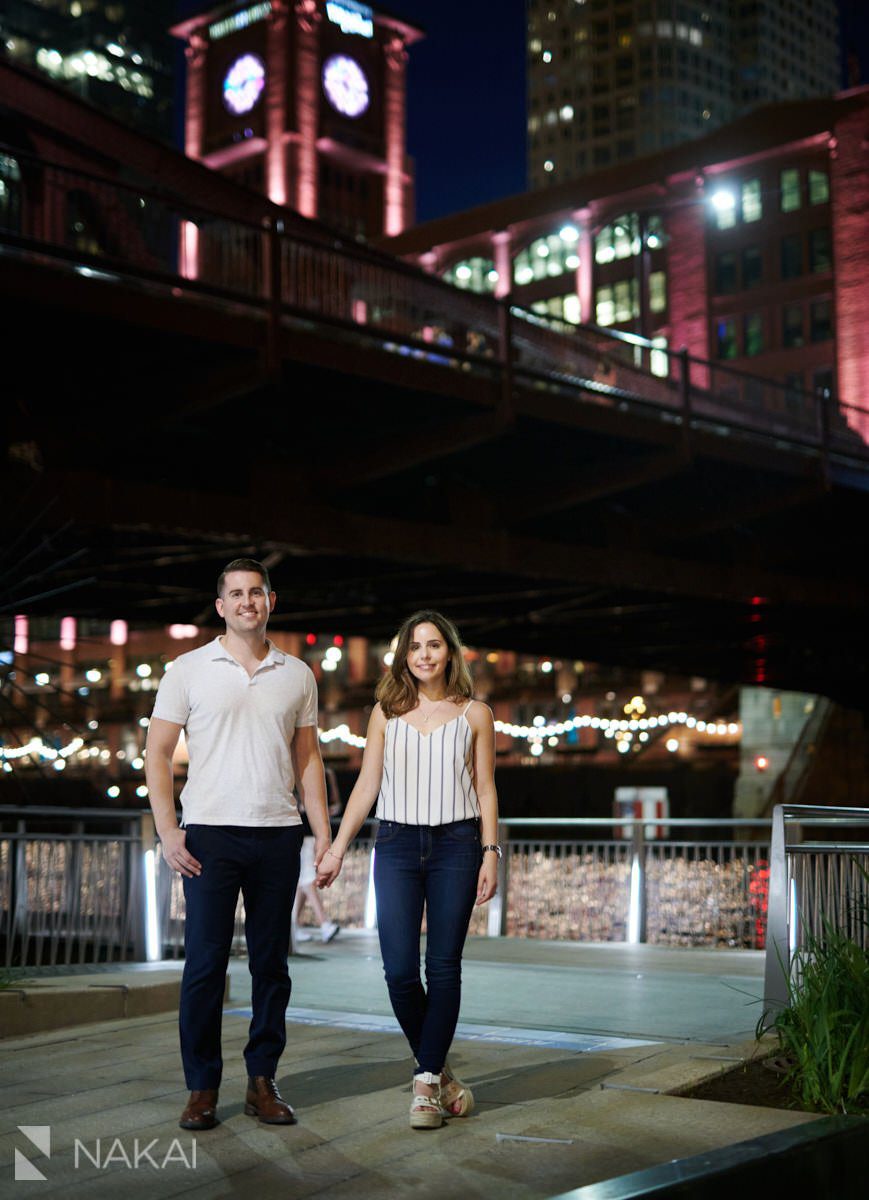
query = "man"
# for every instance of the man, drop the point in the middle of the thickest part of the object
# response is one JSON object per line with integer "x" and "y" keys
{"x": 249, "y": 713}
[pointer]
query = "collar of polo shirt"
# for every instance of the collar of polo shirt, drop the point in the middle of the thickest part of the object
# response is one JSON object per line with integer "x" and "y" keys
{"x": 274, "y": 655}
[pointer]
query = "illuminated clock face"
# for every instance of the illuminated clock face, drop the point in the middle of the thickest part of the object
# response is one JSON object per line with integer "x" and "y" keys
{"x": 345, "y": 85}
{"x": 243, "y": 83}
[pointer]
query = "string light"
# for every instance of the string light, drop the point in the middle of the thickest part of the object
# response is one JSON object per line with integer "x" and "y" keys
{"x": 621, "y": 730}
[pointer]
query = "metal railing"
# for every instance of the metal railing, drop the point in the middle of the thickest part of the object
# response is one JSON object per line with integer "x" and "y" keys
{"x": 812, "y": 882}
{"x": 72, "y": 895}
{"x": 112, "y": 230}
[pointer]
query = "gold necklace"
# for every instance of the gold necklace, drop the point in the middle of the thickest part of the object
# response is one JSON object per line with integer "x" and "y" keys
{"x": 426, "y": 719}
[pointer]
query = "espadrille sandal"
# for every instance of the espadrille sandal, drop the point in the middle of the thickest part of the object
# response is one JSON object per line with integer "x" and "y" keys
{"x": 455, "y": 1096}
{"x": 426, "y": 1111}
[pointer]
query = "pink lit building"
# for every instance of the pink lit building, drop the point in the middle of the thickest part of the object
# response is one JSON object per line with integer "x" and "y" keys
{"x": 304, "y": 100}
{"x": 749, "y": 246}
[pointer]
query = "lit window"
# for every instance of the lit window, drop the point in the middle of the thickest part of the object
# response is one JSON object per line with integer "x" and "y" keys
{"x": 626, "y": 297}
{"x": 790, "y": 189}
{"x": 659, "y": 361}
{"x": 604, "y": 307}
{"x": 819, "y": 187}
{"x": 657, "y": 291}
{"x": 547, "y": 256}
{"x": 752, "y": 202}
{"x": 620, "y": 239}
{"x": 474, "y": 274}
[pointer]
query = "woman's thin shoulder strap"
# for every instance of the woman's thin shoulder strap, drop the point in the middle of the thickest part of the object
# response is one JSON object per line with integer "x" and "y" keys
{"x": 470, "y": 702}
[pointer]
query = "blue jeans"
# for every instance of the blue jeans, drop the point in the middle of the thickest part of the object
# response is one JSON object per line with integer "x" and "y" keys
{"x": 436, "y": 866}
{"x": 263, "y": 863}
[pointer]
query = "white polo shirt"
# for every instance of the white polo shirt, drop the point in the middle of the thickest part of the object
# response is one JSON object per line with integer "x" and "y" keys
{"x": 239, "y": 731}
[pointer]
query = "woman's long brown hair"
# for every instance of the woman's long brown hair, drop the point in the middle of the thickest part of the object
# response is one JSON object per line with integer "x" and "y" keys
{"x": 397, "y": 692}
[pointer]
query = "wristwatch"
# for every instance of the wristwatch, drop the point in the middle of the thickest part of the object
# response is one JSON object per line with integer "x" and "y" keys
{"x": 497, "y": 850}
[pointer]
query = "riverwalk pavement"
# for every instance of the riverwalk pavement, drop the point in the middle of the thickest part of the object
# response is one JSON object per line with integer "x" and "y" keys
{"x": 575, "y": 1053}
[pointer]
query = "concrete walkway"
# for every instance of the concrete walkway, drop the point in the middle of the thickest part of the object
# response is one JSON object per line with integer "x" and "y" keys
{"x": 570, "y": 1049}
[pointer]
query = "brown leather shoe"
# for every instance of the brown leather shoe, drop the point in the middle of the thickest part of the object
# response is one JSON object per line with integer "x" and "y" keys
{"x": 263, "y": 1100}
{"x": 201, "y": 1110}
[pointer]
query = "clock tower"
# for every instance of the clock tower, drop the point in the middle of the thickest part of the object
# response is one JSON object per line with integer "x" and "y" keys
{"x": 305, "y": 101}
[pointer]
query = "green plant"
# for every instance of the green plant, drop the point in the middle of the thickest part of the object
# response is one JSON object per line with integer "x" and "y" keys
{"x": 824, "y": 1030}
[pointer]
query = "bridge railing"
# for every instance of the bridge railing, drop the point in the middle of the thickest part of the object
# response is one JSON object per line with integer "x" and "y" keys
{"x": 812, "y": 882}
{"x": 109, "y": 227}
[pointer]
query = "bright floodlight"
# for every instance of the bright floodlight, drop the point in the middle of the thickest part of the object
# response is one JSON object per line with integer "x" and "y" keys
{"x": 722, "y": 200}
{"x": 568, "y": 233}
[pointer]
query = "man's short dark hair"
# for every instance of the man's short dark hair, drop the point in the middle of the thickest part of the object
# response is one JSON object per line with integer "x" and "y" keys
{"x": 243, "y": 564}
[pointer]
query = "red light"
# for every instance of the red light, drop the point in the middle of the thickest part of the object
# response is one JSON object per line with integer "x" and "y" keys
{"x": 311, "y": 638}
{"x": 761, "y": 762}
{"x": 338, "y": 640}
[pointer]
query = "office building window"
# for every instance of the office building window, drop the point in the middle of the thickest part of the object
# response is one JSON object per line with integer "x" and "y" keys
{"x": 820, "y": 320}
{"x": 752, "y": 267}
{"x": 659, "y": 360}
{"x": 792, "y": 256}
{"x": 627, "y": 300}
{"x": 794, "y": 395}
{"x": 547, "y": 256}
{"x": 725, "y": 273}
{"x": 10, "y": 193}
{"x": 604, "y": 309}
{"x": 819, "y": 187}
{"x": 564, "y": 308}
{"x": 725, "y": 337}
{"x": 822, "y": 381}
{"x": 752, "y": 334}
{"x": 617, "y": 304}
{"x": 792, "y": 325}
{"x": 473, "y": 274}
{"x": 752, "y": 201}
{"x": 724, "y": 208}
{"x": 620, "y": 239}
{"x": 657, "y": 291}
{"x": 820, "y": 251}
{"x": 791, "y": 197}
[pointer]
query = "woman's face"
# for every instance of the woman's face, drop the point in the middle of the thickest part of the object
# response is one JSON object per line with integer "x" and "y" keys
{"x": 428, "y": 654}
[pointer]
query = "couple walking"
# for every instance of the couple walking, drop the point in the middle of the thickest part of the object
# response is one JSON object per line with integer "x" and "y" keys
{"x": 249, "y": 713}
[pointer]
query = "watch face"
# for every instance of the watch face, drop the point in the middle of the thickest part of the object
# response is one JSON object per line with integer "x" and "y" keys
{"x": 243, "y": 83}
{"x": 345, "y": 85}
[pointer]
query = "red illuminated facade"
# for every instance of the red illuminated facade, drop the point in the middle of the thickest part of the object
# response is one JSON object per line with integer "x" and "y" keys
{"x": 304, "y": 100}
{"x": 749, "y": 247}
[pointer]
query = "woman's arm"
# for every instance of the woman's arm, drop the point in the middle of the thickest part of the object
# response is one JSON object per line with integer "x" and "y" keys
{"x": 361, "y": 799}
{"x": 483, "y": 724}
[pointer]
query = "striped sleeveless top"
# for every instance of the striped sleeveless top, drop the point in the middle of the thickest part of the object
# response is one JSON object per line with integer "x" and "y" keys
{"x": 427, "y": 778}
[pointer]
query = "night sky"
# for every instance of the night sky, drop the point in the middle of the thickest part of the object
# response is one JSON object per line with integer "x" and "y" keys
{"x": 466, "y": 97}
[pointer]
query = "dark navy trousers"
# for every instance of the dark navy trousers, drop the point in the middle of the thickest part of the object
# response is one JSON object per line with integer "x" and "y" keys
{"x": 435, "y": 868}
{"x": 263, "y": 863}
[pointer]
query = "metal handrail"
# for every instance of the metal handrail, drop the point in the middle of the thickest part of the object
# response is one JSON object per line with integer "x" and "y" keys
{"x": 464, "y": 306}
{"x": 785, "y": 906}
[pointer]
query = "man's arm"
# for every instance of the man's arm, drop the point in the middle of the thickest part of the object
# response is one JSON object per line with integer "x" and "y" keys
{"x": 311, "y": 782}
{"x": 159, "y": 748}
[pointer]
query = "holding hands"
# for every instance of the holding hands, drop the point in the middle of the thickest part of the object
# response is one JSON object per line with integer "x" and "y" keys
{"x": 328, "y": 867}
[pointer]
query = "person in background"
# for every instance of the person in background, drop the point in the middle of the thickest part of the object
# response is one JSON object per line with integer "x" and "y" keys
{"x": 306, "y": 892}
{"x": 429, "y": 763}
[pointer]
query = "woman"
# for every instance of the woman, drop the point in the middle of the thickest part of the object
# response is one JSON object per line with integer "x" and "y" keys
{"x": 429, "y": 762}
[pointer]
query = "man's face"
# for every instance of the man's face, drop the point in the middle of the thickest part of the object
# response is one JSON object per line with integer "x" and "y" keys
{"x": 245, "y": 605}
